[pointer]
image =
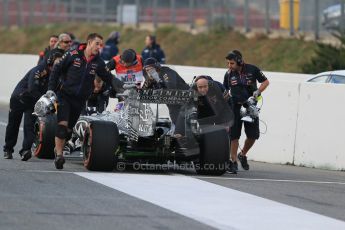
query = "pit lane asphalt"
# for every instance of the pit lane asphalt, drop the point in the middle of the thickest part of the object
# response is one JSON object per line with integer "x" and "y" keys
{"x": 34, "y": 195}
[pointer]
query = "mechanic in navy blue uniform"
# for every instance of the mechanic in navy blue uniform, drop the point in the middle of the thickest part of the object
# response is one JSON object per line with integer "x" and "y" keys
{"x": 158, "y": 77}
{"x": 110, "y": 48}
{"x": 213, "y": 106}
{"x": 73, "y": 81}
{"x": 241, "y": 79}
{"x": 53, "y": 39}
{"x": 153, "y": 50}
{"x": 213, "y": 102}
{"x": 64, "y": 43}
{"x": 23, "y": 99}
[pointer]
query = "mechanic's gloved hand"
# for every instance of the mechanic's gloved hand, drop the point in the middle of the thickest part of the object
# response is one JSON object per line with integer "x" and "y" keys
{"x": 256, "y": 93}
{"x": 50, "y": 94}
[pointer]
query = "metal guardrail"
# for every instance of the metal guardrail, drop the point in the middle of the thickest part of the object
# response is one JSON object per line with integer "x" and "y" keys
{"x": 266, "y": 15}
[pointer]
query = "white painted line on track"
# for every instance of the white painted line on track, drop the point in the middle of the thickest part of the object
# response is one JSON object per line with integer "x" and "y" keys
{"x": 212, "y": 204}
{"x": 271, "y": 180}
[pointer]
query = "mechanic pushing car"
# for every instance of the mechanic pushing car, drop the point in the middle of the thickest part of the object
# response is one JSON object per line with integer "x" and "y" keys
{"x": 26, "y": 93}
{"x": 212, "y": 105}
{"x": 210, "y": 92}
{"x": 241, "y": 80}
{"x": 157, "y": 77}
{"x": 73, "y": 80}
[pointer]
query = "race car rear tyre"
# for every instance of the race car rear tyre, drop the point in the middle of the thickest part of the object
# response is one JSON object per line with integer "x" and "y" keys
{"x": 101, "y": 140}
{"x": 44, "y": 143}
{"x": 214, "y": 153}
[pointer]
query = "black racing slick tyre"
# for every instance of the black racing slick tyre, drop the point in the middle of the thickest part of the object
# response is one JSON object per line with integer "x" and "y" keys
{"x": 214, "y": 153}
{"x": 44, "y": 143}
{"x": 101, "y": 141}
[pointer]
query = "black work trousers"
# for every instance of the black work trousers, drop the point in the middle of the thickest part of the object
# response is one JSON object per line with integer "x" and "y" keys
{"x": 69, "y": 109}
{"x": 17, "y": 109}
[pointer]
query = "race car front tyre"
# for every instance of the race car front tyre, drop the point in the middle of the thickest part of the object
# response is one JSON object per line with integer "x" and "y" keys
{"x": 101, "y": 141}
{"x": 44, "y": 143}
{"x": 214, "y": 153}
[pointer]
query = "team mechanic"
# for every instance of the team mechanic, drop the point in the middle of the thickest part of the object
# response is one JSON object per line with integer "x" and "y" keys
{"x": 23, "y": 99}
{"x": 157, "y": 77}
{"x": 53, "y": 39}
{"x": 241, "y": 79}
{"x": 63, "y": 44}
{"x": 213, "y": 102}
{"x": 73, "y": 81}
{"x": 212, "y": 105}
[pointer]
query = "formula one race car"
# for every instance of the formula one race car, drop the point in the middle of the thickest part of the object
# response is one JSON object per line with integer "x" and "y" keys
{"x": 140, "y": 133}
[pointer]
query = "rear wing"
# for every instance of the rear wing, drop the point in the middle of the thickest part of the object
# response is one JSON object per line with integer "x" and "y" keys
{"x": 166, "y": 96}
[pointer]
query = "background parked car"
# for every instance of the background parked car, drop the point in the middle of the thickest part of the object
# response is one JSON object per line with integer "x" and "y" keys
{"x": 331, "y": 16}
{"x": 336, "y": 77}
